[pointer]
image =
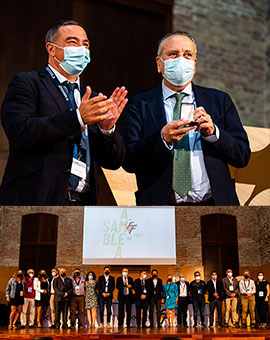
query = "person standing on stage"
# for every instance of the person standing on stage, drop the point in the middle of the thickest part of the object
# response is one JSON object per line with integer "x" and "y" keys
{"x": 231, "y": 294}
{"x": 106, "y": 286}
{"x": 170, "y": 295}
{"x": 77, "y": 298}
{"x": 15, "y": 297}
{"x": 183, "y": 300}
{"x": 247, "y": 290}
{"x": 141, "y": 287}
{"x": 91, "y": 298}
{"x": 29, "y": 300}
{"x": 215, "y": 298}
{"x": 262, "y": 298}
{"x": 155, "y": 296}
{"x": 124, "y": 284}
{"x": 42, "y": 296}
{"x": 63, "y": 290}
{"x": 55, "y": 274}
{"x": 197, "y": 291}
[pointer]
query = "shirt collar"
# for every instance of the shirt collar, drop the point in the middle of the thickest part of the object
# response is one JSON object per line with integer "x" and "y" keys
{"x": 166, "y": 92}
{"x": 61, "y": 78}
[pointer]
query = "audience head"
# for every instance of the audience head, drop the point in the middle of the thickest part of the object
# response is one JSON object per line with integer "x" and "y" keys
{"x": 143, "y": 274}
{"x": 214, "y": 275}
{"x": 107, "y": 270}
{"x": 154, "y": 273}
{"x": 197, "y": 276}
{"x": 90, "y": 276}
{"x": 63, "y": 272}
{"x": 260, "y": 276}
{"x": 229, "y": 273}
{"x": 30, "y": 273}
{"x": 77, "y": 272}
{"x": 124, "y": 272}
{"x": 169, "y": 278}
{"x": 55, "y": 272}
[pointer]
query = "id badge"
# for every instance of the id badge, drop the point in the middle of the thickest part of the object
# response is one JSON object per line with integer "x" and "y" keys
{"x": 78, "y": 168}
{"x": 106, "y": 290}
{"x": 77, "y": 287}
{"x": 231, "y": 288}
{"x": 168, "y": 296}
{"x": 247, "y": 290}
{"x": 261, "y": 294}
{"x": 21, "y": 292}
{"x": 199, "y": 291}
{"x": 144, "y": 291}
{"x": 30, "y": 289}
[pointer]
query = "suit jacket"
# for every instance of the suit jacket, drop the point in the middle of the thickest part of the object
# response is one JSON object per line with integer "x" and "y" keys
{"x": 194, "y": 287}
{"x": 159, "y": 288}
{"x": 139, "y": 289}
{"x": 211, "y": 290}
{"x": 61, "y": 287}
{"x": 226, "y": 285}
{"x": 41, "y": 133}
{"x": 101, "y": 284}
{"x": 120, "y": 286}
{"x": 151, "y": 160}
{"x": 188, "y": 288}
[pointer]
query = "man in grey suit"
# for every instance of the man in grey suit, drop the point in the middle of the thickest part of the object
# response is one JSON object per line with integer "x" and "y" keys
{"x": 231, "y": 288}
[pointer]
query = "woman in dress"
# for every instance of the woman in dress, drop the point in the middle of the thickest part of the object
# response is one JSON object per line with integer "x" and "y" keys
{"x": 262, "y": 298}
{"x": 42, "y": 297}
{"x": 15, "y": 297}
{"x": 91, "y": 299}
{"x": 170, "y": 294}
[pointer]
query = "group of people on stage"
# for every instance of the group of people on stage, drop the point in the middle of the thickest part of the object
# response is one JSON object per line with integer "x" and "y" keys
{"x": 76, "y": 293}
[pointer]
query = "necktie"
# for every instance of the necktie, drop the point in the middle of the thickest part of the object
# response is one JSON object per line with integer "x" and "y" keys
{"x": 181, "y": 182}
{"x": 80, "y": 151}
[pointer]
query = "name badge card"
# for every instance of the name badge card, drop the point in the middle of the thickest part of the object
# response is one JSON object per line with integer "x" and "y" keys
{"x": 261, "y": 294}
{"x": 77, "y": 287}
{"x": 168, "y": 296}
{"x": 144, "y": 291}
{"x": 30, "y": 289}
{"x": 200, "y": 291}
{"x": 186, "y": 111}
{"x": 231, "y": 288}
{"x": 78, "y": 168}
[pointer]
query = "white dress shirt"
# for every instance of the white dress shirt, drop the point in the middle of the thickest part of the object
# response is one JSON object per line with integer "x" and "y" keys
{"x": 200, "y": 189}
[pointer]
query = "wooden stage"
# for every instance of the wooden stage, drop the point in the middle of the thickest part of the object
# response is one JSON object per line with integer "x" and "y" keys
{"x": 134, "y": 333}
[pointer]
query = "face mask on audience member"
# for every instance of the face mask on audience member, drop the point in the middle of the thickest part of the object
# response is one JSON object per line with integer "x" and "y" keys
{"x": 19, "y": 275}
{"x": 107, "y": 272}
{"x": 144, "y": 276}
{"x": 169, "y": 279}
{"x": 30, "y": 275}
{"x": 246, "y": 276}
{"x": 260, "y": 277}
{"x": 125, "y": 274}
{"x": 77, "y": 274}
{"x": 182, "y": 279}
{"x": 53, "y": 274}
{"x": 42, "y": 274}
{"x": 214, "y": 277}
{"x": 154, "y": 276}
{"x": 178, "y": 71}
{"x": 229, "y": 274}
{"x": 63, "y": 274}
{"x": 197, "y": 278}
{"x": 91, "y": 277}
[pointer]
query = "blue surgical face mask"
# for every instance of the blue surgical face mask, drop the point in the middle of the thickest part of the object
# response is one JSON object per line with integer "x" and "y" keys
{"x": 182, "y": 279}
{"x": 75, "y": 59}
{"x": 178, "y": 71}
{"x": 90, "y": 277}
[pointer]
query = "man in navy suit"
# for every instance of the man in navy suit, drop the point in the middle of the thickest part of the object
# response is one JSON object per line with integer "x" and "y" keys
{"x": 105, "y": 287}
{"x": 155, "y": 296}
{"x": 153, "y": 134}
{"x": 215, "y": 298}
{"x": 58, "y": 131}
{"x": 183, "y": 300}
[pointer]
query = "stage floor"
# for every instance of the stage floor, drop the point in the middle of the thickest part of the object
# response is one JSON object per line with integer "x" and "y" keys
{"x": 134, "y": 333}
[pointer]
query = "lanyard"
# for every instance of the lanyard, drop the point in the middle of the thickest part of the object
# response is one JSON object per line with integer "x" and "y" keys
{"x": 246, "y": 287}
{"x": 61, "y": 87}
{"x": 182, "y": 288}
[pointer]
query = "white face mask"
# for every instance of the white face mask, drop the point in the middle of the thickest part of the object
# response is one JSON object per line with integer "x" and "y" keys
{"x": 197, "y": 278}
{"x": 75, "y": 59}
{"x": 178, "y": 71}
{"x": 260, "y": 277}
{"x": 230, "y": 274}
{"x": 144, "y": 276}
{"x": 31, "y": 275}
{"x": 53, "y": 274}
{"x": 125, "y": 274}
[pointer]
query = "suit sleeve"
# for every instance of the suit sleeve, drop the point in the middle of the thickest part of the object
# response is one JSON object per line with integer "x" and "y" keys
{"x": 99, "y": 288}
{"x": 233, "y": 144}
{"x": 112, "y": 286}
{"x": 23, "y": 122}
{"x": 142, "y": 147}
{"x": 56, "y": 288}
{"x": 107, "y": 151}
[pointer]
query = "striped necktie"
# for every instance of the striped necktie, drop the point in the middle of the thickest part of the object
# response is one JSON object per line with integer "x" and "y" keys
{"x": 181, "y": 182}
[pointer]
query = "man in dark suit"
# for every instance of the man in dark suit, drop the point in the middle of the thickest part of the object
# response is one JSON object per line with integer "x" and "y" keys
{"x": 197, "y": 292}
{"x": 155, "y": 296}
{"x": 105, "y": 287}
{"x": 142, "y": 289}
{"x": 58, "y": 131}
{"x": 124, "y": 284}
{"x": 62, "y": 286}
{"x": 215, "y": 298}
{"x": 183, "y": 161}
{"x": 183, "y": 300}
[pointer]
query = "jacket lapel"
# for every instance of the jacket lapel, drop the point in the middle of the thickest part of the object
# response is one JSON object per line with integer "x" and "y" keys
{"x": 202, "y": 97}
{"x": 156, "y": 108}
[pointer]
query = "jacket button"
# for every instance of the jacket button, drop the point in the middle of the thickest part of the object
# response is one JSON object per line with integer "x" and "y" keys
{"x": 67, "y": 171}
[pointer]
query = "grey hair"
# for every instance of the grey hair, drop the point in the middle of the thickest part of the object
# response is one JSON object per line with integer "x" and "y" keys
{"x": 53, "y": 31}
{"x": 186, "y": 34}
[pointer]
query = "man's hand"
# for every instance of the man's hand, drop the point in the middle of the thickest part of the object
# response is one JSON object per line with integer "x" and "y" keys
{"x": 8, "y": 299}
{"x": 119, "y": 102}
{"x": 143, "y": 297}
{"x": 65, "y": 295}
{"x": 172, "y": 132}
{"x": 216, "y": 295}
{"x": 233, "y": 295}
{"x": 206, "y": 126}
{"x": 96, "y": 109}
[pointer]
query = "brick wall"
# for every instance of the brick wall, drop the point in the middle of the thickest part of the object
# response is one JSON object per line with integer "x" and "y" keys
{"x": 233, "y": 51}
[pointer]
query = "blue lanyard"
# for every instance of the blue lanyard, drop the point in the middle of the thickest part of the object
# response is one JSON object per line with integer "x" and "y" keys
{"x": 61, "y": 87}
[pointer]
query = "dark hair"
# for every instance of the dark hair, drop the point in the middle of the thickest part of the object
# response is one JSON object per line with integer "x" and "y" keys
{"x": 93, "y": 273}
{"x": 124, "y": 268}
{"x": 39, "y": 274}
{"x": 260, "y": 273}
{"x": 159, "y": 50}
{"x": 55, "y": 269}
{"x": 197, "y": 273}
{"x": 143, "y": 270}
{"x": 53, "y": 31}
{"x": 154, "y": 270}
{"x": 213, "y": 272}
{"x": 76, "y": 269}
{"x": 109, "y": 267}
